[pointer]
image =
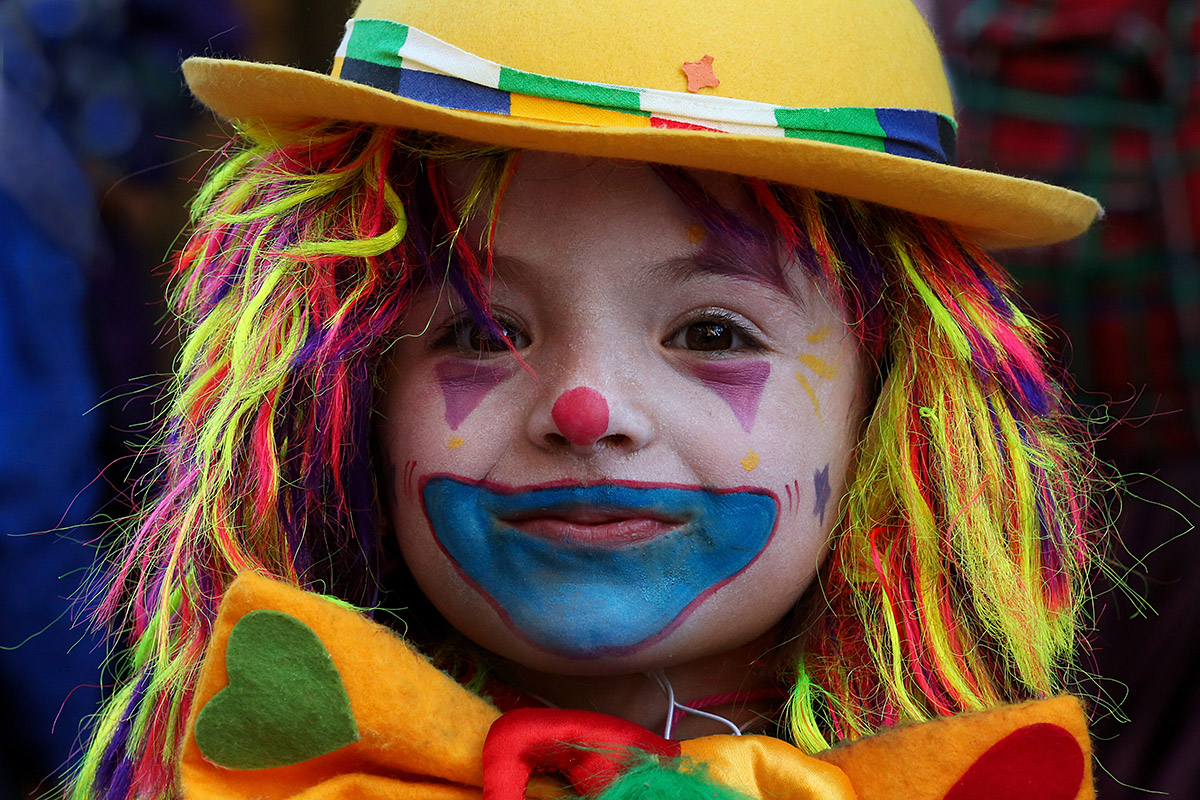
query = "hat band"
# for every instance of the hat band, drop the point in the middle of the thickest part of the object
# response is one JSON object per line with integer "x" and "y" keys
{"x": 410, "y": 63}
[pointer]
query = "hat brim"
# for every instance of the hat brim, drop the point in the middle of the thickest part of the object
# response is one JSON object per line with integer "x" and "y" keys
{"x": 999, "y": 211}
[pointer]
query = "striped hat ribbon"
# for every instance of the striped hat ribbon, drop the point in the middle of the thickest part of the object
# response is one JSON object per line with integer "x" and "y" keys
{"x": 410, "y": 63}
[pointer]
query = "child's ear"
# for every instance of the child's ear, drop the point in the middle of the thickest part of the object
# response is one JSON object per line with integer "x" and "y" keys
{"x": 414, "y": 616}
{"x": 384, "y": 474}
{"x": 390, "y": 558}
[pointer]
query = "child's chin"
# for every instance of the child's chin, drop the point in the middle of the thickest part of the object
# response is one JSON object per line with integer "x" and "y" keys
{"x": 596, "y": 666}
{"x": 682, "y": 646}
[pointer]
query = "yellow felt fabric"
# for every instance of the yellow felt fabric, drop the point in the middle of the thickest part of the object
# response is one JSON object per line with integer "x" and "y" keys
{"x": 421, "y": 732}
{"x": 913, "y": 762}
{"x": 760, "y": 766}
{"x": 922, "y": 762}
{"x": 806, "y": 53}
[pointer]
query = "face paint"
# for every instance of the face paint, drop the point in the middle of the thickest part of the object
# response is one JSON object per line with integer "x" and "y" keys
{"x": 410, "y": 468}
{"x": 464, "y": 384}
{"x": 599, "y": 266}
{"x": 597, "y": 570}
{"x": 821, "y": 487}
{"x": 818, "y": 335}
{"x": 793, "y": 496}
{"x": 738, "y": 383}
{"x": 822, "y": 368}
{"x": 812, "y": 395}
{"x": 581, "y": 415}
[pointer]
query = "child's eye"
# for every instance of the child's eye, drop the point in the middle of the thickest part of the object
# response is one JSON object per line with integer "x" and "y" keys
{"x": 465, "y": 335}
{"x": 712, "y": 332}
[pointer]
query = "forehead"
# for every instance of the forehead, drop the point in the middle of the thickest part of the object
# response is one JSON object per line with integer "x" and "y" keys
{"x": 556, "y": 207}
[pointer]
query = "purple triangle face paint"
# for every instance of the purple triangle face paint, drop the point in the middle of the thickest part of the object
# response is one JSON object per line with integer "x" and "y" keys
{"x": 464, "y": 384}
{"x": 739, "y": 383}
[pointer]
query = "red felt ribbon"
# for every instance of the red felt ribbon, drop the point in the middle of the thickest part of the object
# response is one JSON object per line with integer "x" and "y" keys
{"x": 587, "y": 748}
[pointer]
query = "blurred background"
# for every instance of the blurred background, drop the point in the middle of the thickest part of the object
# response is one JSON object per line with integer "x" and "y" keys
{"x": 1103, "y": 96}
{"x": 101, "y": 148}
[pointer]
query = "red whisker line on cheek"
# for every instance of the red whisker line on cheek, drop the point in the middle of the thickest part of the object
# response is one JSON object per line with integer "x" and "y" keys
{"x": 409, "y": 470}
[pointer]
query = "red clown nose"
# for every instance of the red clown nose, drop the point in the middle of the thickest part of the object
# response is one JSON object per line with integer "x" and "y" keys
{"x": 581, "y": 415}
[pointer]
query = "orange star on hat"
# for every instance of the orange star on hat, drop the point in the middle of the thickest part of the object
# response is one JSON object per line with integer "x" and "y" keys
{"x": 700, "y": 74}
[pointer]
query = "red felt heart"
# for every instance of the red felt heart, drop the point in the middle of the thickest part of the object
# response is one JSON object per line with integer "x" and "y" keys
{"x": 1037, "y": 762}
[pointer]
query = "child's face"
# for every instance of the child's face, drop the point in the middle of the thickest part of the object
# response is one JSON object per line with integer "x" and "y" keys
{"x": 658, "y": 481}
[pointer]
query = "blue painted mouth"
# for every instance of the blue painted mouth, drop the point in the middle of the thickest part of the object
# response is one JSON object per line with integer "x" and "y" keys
{"x": 585, "y": 600}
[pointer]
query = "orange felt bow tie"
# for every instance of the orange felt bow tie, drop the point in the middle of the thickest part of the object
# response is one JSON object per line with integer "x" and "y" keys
{"x": 300, "y": 697}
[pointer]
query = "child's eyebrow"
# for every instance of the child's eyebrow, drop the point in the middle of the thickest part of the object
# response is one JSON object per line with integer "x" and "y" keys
{"x": 747, "y": 264}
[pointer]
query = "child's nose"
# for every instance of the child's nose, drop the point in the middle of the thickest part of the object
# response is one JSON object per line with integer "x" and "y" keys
{"x": 584, "y": 419}
{"x": 581, "y": 415}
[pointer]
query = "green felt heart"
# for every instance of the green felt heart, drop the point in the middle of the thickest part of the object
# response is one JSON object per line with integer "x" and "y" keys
{"x": 285, "y": 702}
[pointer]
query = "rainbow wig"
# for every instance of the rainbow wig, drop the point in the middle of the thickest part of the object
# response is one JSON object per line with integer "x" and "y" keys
{"x": 962, "y": 543}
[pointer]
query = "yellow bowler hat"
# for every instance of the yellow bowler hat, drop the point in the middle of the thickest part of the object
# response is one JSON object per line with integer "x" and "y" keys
{"x": 841, "y": 96}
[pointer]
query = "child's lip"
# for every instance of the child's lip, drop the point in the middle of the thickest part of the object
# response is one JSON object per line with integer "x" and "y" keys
{"x": 593, "y": 525}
